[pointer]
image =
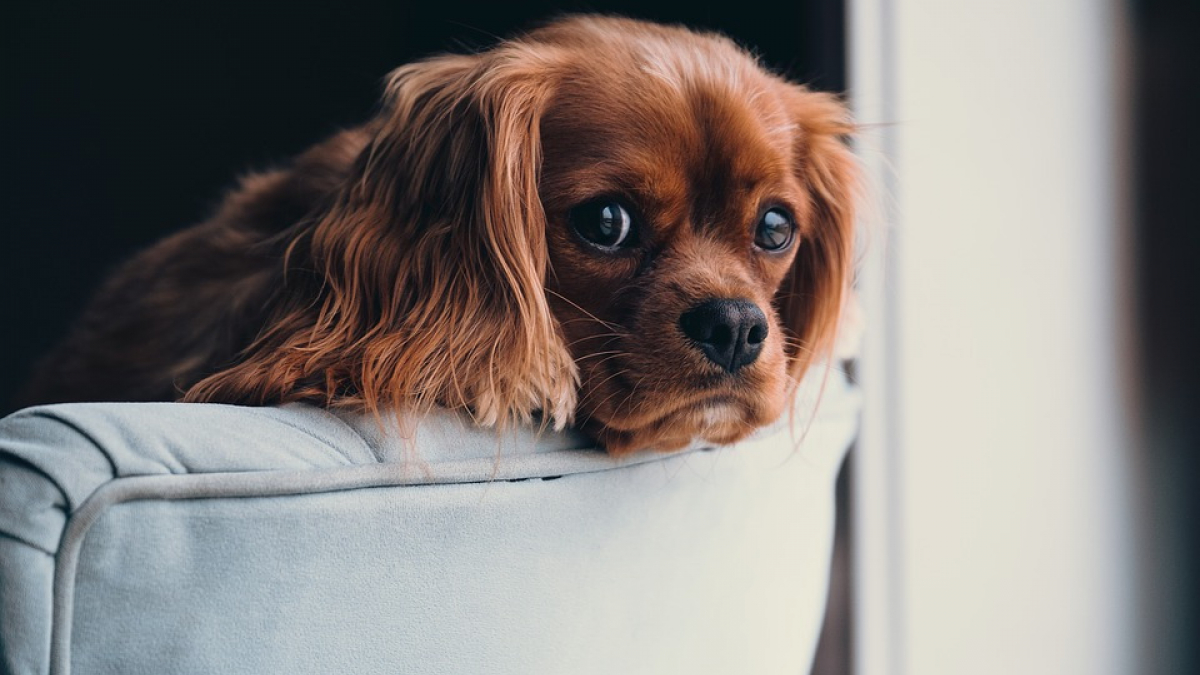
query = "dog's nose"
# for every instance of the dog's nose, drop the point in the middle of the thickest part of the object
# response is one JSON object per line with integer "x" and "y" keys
{"x": 729, "y": 332}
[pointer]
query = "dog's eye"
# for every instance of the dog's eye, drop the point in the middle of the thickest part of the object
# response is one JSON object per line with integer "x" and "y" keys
{"x": 775, "y": 231}
{"x": 604, "y": 223}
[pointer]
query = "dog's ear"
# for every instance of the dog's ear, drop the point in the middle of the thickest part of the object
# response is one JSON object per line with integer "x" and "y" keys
{"x": 810, "y": 299}
{"x": 425, "y": 270}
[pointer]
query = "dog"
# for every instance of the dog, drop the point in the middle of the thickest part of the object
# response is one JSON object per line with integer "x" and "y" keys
{"x": 630, "y": 227}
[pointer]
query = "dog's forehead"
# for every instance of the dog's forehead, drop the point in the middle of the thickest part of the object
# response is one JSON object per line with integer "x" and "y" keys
{"x": 647, "y": 127}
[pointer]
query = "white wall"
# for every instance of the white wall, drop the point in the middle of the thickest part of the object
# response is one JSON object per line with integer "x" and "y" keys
{"x": 993, "y": 524}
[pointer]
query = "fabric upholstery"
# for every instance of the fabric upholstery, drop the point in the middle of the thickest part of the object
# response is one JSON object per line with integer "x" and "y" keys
{"x": 187, "y": 538}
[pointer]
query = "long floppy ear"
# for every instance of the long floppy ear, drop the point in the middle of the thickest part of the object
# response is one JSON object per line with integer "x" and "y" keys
{"x": 812, "y": 296}
{"x": 421, "y": 282}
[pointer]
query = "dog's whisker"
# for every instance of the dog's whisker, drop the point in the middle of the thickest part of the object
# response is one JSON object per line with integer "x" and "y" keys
{"x": 794, "y": 343}
{"x": 598, "y": 336}
{"x": 595, "y": 354}
{"x": 608, "y": 398}
{"x": 605, "y": 360}
{"x": 574, "y": 304}
{"x": 616, "y": 373}
{"x": 596, "y": 408}
{"x": 632, "y": 393}
{"x": 609, "y": 356}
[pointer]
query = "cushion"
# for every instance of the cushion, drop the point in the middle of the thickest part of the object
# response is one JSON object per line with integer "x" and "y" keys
{"x": 194, "y": 538}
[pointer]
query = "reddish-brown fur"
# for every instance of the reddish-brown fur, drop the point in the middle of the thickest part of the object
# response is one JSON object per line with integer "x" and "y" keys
{"x": 425, "y": 259}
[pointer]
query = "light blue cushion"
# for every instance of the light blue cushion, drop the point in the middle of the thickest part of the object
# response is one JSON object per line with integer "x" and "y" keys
{"x": 186, "y": 538}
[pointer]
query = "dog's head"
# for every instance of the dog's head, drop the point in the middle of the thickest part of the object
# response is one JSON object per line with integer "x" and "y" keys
{"x": 624, "y": 224}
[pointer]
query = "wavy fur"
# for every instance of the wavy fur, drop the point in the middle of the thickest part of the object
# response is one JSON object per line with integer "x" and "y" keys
{"x": 426, "y": 258}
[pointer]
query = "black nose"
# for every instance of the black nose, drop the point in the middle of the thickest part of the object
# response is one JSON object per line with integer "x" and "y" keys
{"x": 729, "y": 332}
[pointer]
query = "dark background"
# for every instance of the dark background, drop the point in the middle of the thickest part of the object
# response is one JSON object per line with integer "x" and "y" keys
{"x": 1166, "y": 82}
{"x": 125, "y": 122}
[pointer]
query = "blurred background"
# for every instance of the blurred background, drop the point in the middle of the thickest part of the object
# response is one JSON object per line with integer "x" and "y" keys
{"x": 1023, "y": 499}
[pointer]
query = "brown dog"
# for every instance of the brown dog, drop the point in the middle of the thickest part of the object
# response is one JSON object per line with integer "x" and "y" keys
{"x": 629, "y": 226}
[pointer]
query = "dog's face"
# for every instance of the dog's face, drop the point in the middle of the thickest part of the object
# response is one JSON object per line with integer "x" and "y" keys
{"x": 628, "y": 225}
{"x": 673, "y": 215}
{"x": 676, "y": 200}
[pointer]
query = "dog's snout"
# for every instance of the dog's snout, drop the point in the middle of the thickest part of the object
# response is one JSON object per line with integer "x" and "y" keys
{"x": 729, "y": 332}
